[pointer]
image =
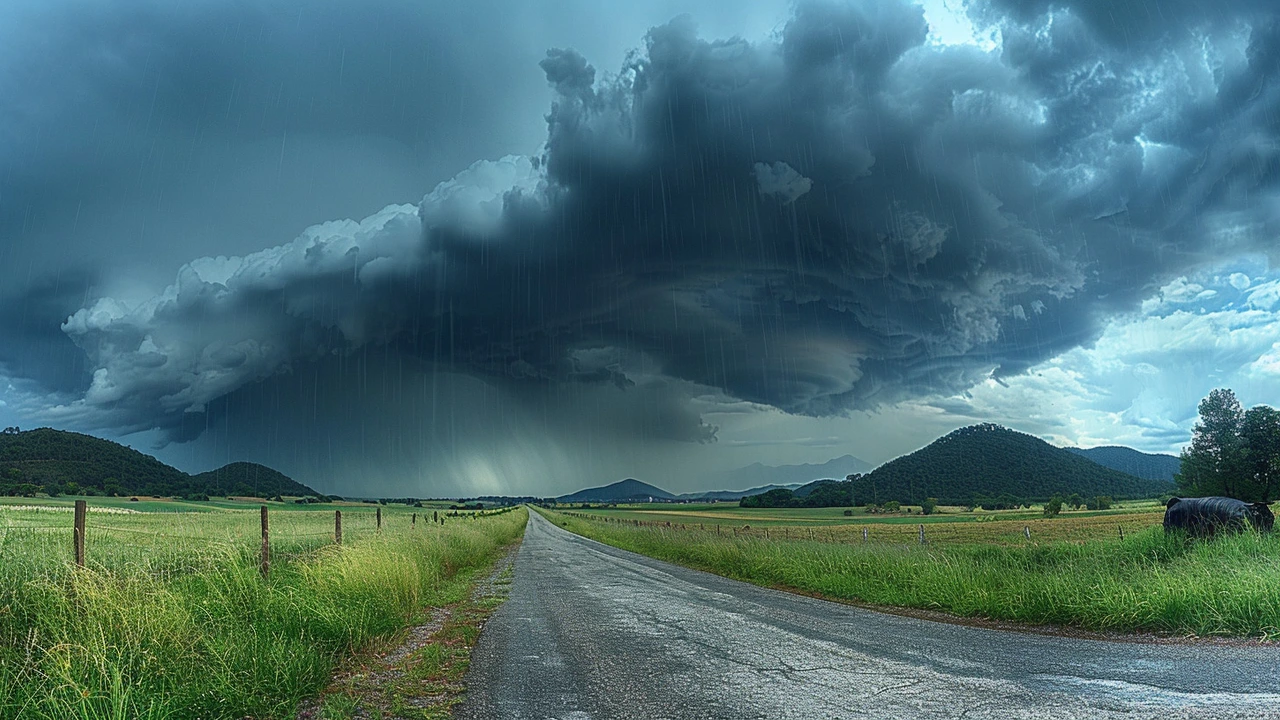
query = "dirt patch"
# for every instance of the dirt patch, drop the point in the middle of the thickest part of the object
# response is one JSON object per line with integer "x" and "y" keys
{"x": 420, "y": 673}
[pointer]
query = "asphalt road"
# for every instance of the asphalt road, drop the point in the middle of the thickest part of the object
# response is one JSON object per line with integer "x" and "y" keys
{"x": 590, "y": 631}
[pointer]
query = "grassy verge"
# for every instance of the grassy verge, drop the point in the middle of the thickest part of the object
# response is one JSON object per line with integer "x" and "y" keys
{"x": 1146, "y": 582}
{"x": 419, "y": 673}
{"x": 202, "y": 634}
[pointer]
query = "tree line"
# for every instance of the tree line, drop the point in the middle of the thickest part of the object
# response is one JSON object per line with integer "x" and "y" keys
{"x": 1233, "y": 452}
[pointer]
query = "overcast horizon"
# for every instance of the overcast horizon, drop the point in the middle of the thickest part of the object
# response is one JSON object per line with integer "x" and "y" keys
{"x": 421, "y": 249}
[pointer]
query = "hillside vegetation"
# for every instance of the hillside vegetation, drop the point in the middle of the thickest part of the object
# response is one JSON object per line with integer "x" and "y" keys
{"x": 1152, "y": 466}
{"x": 246, "y": 478}
{"x": 629, "y": 490}
{"x": 818, "y": 494}
{"x": 60, "y": 462}
{"x": 989, "y": 461}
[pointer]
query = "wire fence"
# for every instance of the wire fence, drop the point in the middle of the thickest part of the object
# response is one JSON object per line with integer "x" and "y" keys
{"x": 1005, "y": 532}
{"x": 40, "y": 540}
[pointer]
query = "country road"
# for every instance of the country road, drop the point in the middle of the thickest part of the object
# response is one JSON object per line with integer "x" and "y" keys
{"x": 590, "y": 631}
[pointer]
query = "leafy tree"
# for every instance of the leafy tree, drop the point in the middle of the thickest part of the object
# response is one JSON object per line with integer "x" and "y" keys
{"x": 892, "y": 506}
{"x": 1213, "y": 464}
{"x": 1074, "y": 501}
{"x": 1260, "y": 437}
{"x": 1101, "y": 502}
{"x": 929, "y": 506}
{"x": 1053, "y": 507}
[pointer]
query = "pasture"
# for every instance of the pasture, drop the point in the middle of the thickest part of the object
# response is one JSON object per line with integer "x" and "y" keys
{"x": 1075, "y": 570}
{"x": 171, "y": 616}
{"x": 950, "y": 524}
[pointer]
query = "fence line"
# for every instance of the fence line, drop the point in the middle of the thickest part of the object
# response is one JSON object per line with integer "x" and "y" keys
{"x": 845, "y": 532}
{"x": 80, "y": 528}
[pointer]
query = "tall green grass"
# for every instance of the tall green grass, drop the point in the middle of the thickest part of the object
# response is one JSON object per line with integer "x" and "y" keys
{"x": 199, "y": 633}
{"x": 1146, "y": 582}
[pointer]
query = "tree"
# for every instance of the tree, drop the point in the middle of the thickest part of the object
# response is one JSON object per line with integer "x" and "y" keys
{"x": 1213, "y": 463}
{"x": 1233, "y": 452}
{"x": 1053, "y": 507}
{"x": 1260, "y": 438}
{"x": 892, "y": 506}
{"x": 929, "y": 506}
{"x": 1101, "y": 502}
{"x": 1075, "y": 501}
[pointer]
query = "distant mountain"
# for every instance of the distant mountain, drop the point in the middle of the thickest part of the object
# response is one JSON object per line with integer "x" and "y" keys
{"x": 807, "y": 489}
{"x": 1152, "y": 466}
{"x": 759, "y": 476}
{"x": 57, "y": 461}
{"x": 629, "y": 490}
{"x": 733, "y": 494}
{"x": 246, "y": 478}
{"x": 987, "y": 461}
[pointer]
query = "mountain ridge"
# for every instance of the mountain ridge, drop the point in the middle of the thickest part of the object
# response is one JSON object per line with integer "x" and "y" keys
{"x": 1151, "y": 466}
{"x": 989, "y": 460}
{"x": 65, "y": 462}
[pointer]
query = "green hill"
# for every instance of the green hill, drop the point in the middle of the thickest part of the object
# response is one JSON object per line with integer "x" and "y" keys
{"x": 246, "y": 478}
{"x": 61, "y": 462}
{"x": 1153, "y": 466}
{"x": 986, "y": 461}
{"x": 629, "y": 490}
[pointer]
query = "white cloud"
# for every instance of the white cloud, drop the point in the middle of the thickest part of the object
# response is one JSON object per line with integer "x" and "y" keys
{"x": 782, "y": 181}
{"x": 1239, "y": 281}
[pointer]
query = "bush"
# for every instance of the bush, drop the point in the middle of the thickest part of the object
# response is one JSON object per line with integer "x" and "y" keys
{"x": 1102, "y": 502}
{"x": 929, "y": 506}
{"x": 892, "y": 506}
{"x": 1053, "y": 507}
{"x": 848, "y": 513}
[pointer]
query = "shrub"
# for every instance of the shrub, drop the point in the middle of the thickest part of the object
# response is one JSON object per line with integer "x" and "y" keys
{"x": 1053, "y": 507}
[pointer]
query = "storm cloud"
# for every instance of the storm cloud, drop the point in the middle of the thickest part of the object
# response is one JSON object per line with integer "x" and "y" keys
{"x": 841, "y": 216}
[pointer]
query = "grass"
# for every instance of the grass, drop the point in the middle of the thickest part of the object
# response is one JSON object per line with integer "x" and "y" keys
{"x": 419, "y": 674}
{"x": 729, "y": 513}
{"x": 171, "y": 619}
{"x": 1084, "y": 578}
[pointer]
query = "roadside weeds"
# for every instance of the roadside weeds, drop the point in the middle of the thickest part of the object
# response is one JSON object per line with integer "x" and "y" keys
{"x": 418, "y": 675}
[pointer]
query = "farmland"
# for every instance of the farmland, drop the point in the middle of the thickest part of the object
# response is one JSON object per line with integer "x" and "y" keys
{"x": 1075, "y": 570}
{"x": 171, "y": 616}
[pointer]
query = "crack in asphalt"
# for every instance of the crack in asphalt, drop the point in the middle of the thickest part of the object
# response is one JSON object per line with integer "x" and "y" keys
{"x": 591, "y": 632}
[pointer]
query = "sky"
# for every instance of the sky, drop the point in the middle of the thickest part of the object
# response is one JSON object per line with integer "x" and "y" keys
{"x": 434, "y": 249}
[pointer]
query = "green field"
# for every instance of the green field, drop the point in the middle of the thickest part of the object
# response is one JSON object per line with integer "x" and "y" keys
{"x": 1074, "y": 571}
{"x": 171, "y": 618}
{"x": 949, "y": 524}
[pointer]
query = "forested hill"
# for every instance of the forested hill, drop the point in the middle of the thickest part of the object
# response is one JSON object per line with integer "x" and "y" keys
{"x": 1153, "y": 466}
{"x": 246, "y": 478}
{"x": 629, "y": 490}
{"x": 988, "y": 461}
{"x": 57, "y": 461}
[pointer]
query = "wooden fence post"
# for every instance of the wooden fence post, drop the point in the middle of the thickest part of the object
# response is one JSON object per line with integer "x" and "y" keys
{"x": 921, "y": 534}
{"x": 864, "y": 534}
{"x": 379, "y": 519}
{"x": 1121, "y": 531}
{"x": 78, "y": 534}
{"x": 1026, "y": 530}
{"x": 435, "y": 517}
{"x": 265, "y": 567}
{"x": 337, "y": 526}
{"x": 414, "y": 522}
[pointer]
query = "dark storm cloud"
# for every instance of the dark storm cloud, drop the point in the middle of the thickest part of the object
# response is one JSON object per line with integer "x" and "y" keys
{"x": 34, "y": 345}
{"x": 125, "y": 125}
{"x": 843, "y": 217}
